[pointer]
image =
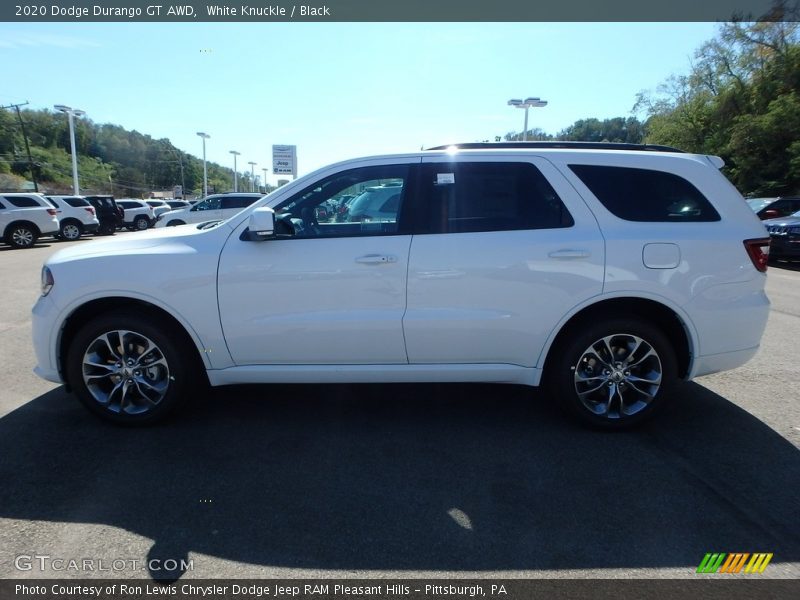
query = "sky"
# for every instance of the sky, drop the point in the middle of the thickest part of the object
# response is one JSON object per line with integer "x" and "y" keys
{"x": 338, "y": 90}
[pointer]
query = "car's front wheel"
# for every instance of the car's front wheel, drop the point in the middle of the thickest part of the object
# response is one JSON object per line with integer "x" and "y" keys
{"x": 128, "y": 369}
{"x": 613, "y": 374}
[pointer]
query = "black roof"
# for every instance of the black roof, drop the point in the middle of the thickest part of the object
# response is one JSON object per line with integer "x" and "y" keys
{"x": 558, "y": 145}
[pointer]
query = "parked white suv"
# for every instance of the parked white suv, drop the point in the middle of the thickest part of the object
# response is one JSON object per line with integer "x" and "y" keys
{"x": 75, "y": 216}
{"x": 24, "y": 218}
{"x": 211, "y": 208}
{"x": 604, "y": 272}
{"x": 138, "y": 214}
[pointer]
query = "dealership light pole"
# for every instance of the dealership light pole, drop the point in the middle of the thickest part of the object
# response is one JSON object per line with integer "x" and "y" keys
{"x": 265, "y": 179}
{"x": 252, "y": 175}
{"x": 205, "y": 136}
{"x": 71, "y": 114}
{"x": 235, "y": 172}
{"x": 526, "y": 104}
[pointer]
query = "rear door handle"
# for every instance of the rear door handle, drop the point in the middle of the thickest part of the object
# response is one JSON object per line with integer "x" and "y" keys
{"x": 376, "y": 259}
{"x": 569, "y": 253}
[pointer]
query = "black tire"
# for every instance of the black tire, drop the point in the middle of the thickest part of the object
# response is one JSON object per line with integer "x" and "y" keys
{"x": 139, "y": 392}
{"x": 21, "y": 236}
{"x": 108, "y": 229}
{"x": 141, "y": 223}
{"x": 584, "y": 374}
{"x": 70, "y": 231}
{"x": 175, "y": 223}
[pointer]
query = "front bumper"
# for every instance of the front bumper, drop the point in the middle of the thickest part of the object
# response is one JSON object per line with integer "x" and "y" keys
{"x": 43, "y": 319}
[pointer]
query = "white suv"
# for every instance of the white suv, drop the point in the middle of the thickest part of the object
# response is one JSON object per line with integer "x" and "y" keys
{"x": 75, "y": 216}
{"x": 24, "y": 218}
{"x": 604, "y": 272}
{"x": 138, "y": 214}
{"x": 211, "y": 208}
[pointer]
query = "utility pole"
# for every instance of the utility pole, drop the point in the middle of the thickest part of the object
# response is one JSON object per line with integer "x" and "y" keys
{"x": 25, "y": 136}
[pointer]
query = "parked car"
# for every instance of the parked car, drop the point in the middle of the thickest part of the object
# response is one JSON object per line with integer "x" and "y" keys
{"x": 75, "y": 216}
{"x": 159, "y": 206}
{"x": 212, "y": 208}
{"x": 24, "y": 218}
{"x": 138, "y": 215}
{"x": 109, "y": 214}
{"x": 771, "y": 208}
{"x": 785, "y": 234}
{"x": 603, "y": 272}
{"x": 176, "y": 204}
{"x": 374, "y": 204}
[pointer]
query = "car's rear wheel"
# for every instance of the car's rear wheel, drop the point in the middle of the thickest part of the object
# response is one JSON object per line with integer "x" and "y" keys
{"x": 71, "y": 231}
{"x": 21, "y": 236}
{"x": 141, "y": 223}
{"x": 108, "y": 229}
{"x": 129, "y": 369}
{"x": 613, "y": 374}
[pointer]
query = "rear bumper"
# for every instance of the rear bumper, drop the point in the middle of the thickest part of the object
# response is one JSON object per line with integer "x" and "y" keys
{"x": 714, "y": 363}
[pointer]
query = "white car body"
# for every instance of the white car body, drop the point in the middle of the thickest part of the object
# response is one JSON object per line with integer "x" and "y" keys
{"x": 75, "y": 216}
{"x": 159, "y": 207}
{"x": 213, "y": 208}
{"x": 475, "y": 306}
{"x": 26, "y": 217}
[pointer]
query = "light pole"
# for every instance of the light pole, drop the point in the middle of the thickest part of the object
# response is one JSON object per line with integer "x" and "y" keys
{"x": 71, "y": 114}
{"x": 526, "y": 104}
{"x": 235, "y": 172}
{"x": 265, "y": 179}
{"x": 205, "y": 136}
{"x": 252, "y": 175}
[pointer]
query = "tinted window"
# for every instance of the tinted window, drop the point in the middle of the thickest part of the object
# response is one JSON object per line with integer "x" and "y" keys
{"x": 22, "y": 201}
{"x": 645, "y": 195}
{"x": 468, "y": 197}
{"x": 76, "y": 202}
{"x": 126, "y": 205}
{"x": 2, "y": 205}
{"x": 237, "y": 201}
{"x": 211, "y": 203}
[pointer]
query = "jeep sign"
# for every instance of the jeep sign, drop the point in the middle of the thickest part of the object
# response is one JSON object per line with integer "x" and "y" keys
{"x": 284, "y": 160}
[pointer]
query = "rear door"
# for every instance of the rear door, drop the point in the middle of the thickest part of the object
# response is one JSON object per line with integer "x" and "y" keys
{"x": 502, "y": 250}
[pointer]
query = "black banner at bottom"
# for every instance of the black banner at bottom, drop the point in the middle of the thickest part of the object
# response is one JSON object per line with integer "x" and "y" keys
{"x": 707, "y": 588}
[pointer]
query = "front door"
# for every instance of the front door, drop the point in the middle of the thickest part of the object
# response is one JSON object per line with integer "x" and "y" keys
{"x": 329, "y": 290}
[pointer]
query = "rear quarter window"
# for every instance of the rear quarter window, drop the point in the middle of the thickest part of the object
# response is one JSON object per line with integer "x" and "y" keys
{"x": 238, "y": 201}
{"x": 76, "y": 202}
{"x": 22, "y": 201}
{"x": 646, "y": 195}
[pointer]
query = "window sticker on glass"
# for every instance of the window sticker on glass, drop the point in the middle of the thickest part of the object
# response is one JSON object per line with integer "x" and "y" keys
{"x": 445, "y": 178}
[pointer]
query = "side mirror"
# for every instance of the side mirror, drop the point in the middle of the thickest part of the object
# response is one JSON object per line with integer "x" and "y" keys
{"x": 261, "y": 224}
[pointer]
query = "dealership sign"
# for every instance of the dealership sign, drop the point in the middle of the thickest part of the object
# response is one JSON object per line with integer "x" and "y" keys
{"x": 284, "y": 160}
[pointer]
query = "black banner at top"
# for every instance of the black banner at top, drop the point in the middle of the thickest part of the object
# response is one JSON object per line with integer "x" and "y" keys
{"x": 393, "y": 10}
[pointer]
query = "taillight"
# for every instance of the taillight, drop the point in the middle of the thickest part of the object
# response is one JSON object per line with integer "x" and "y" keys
{"x": 52, "y": 212}
{"x": 90, "y": 209}
{"x": 758, "y": 251}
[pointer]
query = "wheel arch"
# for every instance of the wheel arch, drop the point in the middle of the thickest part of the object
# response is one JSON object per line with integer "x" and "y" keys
{"x": 676, "y": 326}
{"x": 98, "y": 306}
{"x": 30, "y": 224}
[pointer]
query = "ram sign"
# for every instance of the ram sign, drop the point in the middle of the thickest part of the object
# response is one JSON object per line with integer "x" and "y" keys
{"x": 284, "y": 160}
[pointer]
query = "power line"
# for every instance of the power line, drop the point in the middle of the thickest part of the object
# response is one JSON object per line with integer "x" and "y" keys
{"x": 25, "y": 135}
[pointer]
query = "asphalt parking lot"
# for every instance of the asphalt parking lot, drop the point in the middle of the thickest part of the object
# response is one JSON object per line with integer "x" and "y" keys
{"x": 400, "y": 480}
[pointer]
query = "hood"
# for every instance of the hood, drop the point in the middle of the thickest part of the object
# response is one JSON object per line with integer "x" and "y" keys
{"x": 152, "y": 241}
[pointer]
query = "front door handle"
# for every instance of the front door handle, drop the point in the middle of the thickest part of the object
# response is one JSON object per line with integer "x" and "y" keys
{"x": 569, "y": 253}
{"x": 376, "y": 259}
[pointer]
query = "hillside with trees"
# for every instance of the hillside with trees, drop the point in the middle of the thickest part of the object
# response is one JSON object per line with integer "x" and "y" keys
{"x": 111, "y": 159}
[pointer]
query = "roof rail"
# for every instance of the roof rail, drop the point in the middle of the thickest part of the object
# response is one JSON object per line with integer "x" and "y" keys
{"x": 559, "y": 145}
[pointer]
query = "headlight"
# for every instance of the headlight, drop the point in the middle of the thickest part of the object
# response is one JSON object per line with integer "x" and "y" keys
{"x": 47, "y": 280}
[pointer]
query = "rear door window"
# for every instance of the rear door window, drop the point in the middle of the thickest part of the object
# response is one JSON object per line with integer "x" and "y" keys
{"x": 646, "y": 195}
{"x": 22, "y": 201}
{"x": 461, "y": 197}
